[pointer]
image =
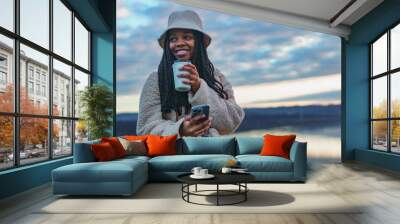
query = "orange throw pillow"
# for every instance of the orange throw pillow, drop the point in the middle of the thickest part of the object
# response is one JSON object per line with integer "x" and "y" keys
{"x": 277, "y": 145}
{"x": 116, "y": 145}
{"x": 161, "y": 145}
{"x": 103, "y": 152}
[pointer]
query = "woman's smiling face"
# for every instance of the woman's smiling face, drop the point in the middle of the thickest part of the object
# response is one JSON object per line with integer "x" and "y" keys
{"x": 181, "y": 43}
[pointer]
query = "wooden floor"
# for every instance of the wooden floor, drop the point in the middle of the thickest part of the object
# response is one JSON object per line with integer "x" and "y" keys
{"x": 377, "y": 188}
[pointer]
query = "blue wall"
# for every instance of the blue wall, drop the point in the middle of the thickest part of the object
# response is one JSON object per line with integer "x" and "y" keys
{"x": 100, "y": 17}
{"x": 355, "y": 94}
{"x": 24, "y": 178}
{"x": 102, "y": 64}
{"x": 102, "y": 58}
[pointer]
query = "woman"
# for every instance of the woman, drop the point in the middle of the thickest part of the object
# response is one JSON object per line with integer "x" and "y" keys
{"x": 164, "y": 111}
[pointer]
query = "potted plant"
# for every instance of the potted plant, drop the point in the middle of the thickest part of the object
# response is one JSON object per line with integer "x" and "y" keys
{"x": 96, "y": 103}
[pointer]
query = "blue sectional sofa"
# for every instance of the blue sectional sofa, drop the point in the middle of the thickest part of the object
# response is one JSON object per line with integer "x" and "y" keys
{"x": 125, "y": 176}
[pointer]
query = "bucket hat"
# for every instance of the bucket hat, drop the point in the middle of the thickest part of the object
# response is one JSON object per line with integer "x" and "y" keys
{"x": 186, "y": 19}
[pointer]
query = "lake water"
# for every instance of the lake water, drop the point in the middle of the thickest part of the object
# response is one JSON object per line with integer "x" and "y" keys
{"x": 323, "y": 142}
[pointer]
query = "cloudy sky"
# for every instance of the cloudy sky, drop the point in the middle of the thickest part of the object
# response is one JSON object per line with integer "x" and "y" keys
{"x": 267, "y": 64}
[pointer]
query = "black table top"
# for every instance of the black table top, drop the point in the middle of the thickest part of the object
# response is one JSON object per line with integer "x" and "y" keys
{"x": 220, "y": 178}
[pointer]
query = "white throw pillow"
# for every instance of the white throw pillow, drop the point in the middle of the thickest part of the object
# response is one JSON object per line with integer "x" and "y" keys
{"x": 136, "y": 147}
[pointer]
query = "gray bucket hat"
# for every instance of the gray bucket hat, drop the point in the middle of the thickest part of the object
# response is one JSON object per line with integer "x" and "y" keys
{"x": 186, "y": 19}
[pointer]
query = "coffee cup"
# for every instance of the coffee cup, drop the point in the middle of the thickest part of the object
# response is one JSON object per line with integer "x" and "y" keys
{"x": 203, "y": 172}
{"x": 178, "y": 81}
{"x": 196, "y": 171}
{"x": 226, "y": 170}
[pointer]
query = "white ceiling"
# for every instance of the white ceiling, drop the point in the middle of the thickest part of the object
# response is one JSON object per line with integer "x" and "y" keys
{"x": 314, "y": 15}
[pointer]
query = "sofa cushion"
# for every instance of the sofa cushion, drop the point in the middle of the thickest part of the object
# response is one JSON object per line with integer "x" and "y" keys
{"x": 131, "y": 158}
{"x": 206, "y": 145}
{"x": 249, "y": 145}
{"x": 112, "y": 171}
{"x": 185, "y": 163}
{"x": 257, "y": 163}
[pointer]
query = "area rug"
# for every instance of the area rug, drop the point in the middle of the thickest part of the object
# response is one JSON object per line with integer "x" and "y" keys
{"x": 166, "y": 198}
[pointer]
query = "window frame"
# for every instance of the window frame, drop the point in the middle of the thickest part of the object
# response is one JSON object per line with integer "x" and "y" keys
{"x": 16, "y": 114}
{"x": 388, "y": 74}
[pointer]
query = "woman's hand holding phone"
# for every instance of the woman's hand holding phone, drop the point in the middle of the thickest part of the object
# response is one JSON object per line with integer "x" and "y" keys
{"x": 195, "y": 126}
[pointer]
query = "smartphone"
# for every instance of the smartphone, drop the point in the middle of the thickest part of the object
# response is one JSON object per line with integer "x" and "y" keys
{"x": 200, "y": 109}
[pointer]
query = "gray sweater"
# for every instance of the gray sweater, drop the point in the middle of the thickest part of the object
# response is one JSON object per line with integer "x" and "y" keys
{"x": 226, "y": 114}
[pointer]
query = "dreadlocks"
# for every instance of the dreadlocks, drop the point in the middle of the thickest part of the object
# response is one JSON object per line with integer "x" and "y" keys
{"x": 172, "y": 99}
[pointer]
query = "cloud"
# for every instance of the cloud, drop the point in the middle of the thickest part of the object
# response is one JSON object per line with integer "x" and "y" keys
{"x": 291, "y": 89}
{"x": 128, "y": 103}
{"x": 122, "y": 10}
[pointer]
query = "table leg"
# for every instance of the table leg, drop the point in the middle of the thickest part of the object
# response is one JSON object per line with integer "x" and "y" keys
{"x": 188, "y": 189}
{"x": 182, "y": 188}
{"x": 245, "y": 193}
{"x": 196, "y": 188}
{"x": 217, "y": 194}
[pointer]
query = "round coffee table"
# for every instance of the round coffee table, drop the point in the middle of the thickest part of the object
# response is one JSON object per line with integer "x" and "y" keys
{"x": 238, "y": 179}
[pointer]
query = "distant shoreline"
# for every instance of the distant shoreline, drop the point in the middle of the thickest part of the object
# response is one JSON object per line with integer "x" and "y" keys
{"x": 313, "y": 116}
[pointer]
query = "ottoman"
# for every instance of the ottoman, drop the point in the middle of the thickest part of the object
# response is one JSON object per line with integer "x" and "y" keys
{"x": 118, "y": 177}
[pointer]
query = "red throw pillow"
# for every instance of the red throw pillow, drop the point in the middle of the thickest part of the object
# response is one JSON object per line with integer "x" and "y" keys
{"x": 277, "y": 145}
{"x": 103, "y": 151}
{"x": 116, "y": 145}
{"x": 161, "y": 145}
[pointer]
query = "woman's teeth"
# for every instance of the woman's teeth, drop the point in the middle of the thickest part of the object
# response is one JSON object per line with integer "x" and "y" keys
{"x": 181, "y": 52}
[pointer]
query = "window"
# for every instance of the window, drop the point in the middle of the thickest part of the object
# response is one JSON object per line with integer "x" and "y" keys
{"x": 34, "y": 21}
{"x": 3, "y": 78}
{"x": 6, "y": 73}
{"x": 7, "y": 14}
{"x": 81, "y": 81}
{"x": 30, "y": 87}
{"x": 62, "y": 75}
{"x": 3, "y": 72}
{"x": 29, "y": 150}
{"x": 395, "y": 47}
{"x": 37, "y": 75}
{"x": 54, "y": 125}
{"x": 30, "y": 72}
{"x": 55, "y": 101}
{"x": 385, "y": 94}
{"x": 38, "y": 89}
{"x": 7, "y": 141}
{"x": 62, "y": 29}
{"x": 44, "y": 91}
{"x": 81, "y": 45}
{"x": 62, "y": 143}
{"x": 3, "y": 61}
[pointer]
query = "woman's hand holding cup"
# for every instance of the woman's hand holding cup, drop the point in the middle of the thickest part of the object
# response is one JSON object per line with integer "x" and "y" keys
{"x": 192, "y": 77}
